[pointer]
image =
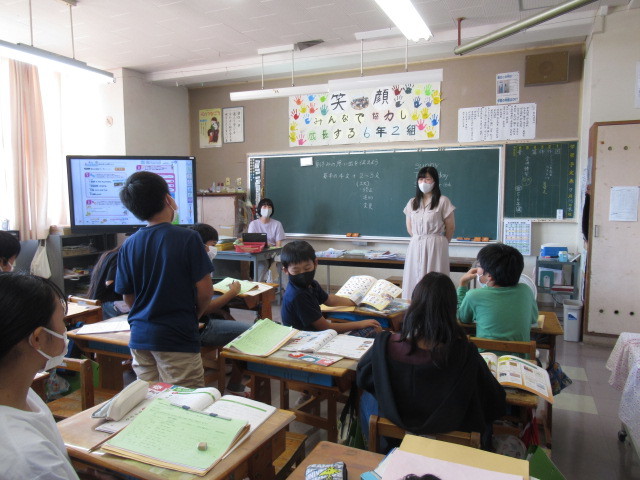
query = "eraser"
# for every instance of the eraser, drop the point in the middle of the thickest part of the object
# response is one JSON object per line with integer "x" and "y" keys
{"x": 202, "y": 446}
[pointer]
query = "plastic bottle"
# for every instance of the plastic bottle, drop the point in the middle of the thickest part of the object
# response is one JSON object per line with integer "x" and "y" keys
{"x": 563, "y": 256}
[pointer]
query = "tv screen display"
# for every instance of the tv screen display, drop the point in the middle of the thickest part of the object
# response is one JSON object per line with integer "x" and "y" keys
{"x": 95, "y": 183}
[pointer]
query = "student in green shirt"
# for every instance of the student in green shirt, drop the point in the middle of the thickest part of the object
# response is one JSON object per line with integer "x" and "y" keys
{"x": 502, "y": 308}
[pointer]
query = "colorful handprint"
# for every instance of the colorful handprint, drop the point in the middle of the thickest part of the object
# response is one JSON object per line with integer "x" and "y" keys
{"x": 294, "y": 114}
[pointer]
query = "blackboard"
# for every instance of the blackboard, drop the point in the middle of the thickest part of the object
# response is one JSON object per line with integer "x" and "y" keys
{"x": 540, "y": 178}
{"x": 366, "y": 192}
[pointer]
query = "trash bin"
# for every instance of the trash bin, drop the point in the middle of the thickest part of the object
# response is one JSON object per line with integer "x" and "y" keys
{"x": 572, "y": 320}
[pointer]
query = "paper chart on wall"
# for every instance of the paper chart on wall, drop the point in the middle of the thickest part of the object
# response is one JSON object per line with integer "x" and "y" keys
{"x": 623, "y": 205}
{"x": 500, "y": 122}
{"x": 517, "y": 233}
{"x": 391, "y": 113}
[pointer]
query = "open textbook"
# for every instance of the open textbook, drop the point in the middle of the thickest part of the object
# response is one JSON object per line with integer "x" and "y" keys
{"x": 262, "y": 339}
{"x": 329, "y": 342}
{"x": 246, "y": 287}
{"x": 168, "y": 436}
{"x": 207, "y": 400}
{"x": 363, "y": 289}
{"x": 515, "y": 372}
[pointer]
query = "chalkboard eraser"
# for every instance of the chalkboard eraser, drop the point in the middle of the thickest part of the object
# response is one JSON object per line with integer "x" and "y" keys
{"x": 477, "y": 239}
{"x": 485, "y": 239}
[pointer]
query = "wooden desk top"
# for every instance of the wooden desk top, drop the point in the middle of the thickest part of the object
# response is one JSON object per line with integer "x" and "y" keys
{"x": 357, "y": 461}
{"x": 79, "y": 436}
{"x": 342, "y": 368}
{"x": 112, "y": 338}
{"x": 75, "y": 310}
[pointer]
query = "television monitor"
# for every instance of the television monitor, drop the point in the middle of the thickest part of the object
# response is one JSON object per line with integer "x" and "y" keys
{"x": 95, "y": 183}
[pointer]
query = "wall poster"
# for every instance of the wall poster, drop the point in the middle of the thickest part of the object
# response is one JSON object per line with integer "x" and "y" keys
{"x": 396, "y": 113}
{"x": 233, "y": 124}
{"x": 209, "y": 126}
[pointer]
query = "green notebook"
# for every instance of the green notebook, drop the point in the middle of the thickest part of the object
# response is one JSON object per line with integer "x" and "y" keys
{"x": 262, "y": 339}
{"x": 541, "y": 466}
{"x": 169, "y": 436}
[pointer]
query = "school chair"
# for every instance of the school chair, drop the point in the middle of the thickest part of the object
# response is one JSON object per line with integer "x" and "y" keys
{"x": 82, "y": 300}
{"x": 214, "y": 365}
{"x": 506, "y": 346}
{"x": 292, "y": 456}
{"x": 85, "y": 397}
{"x": 383, "y": 427}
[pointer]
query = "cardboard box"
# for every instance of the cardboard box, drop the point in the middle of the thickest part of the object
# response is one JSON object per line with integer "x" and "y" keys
{"x": 226, "y": 231}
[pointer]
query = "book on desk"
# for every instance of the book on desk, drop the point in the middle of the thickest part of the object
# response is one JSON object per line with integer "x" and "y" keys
{"x": 154, "y": 434}
{"x": 366, "y": 290}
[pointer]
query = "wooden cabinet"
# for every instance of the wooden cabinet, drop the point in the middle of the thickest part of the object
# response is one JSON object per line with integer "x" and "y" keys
{"x": 72, "y": 258}
{"x": 613, "y": 258}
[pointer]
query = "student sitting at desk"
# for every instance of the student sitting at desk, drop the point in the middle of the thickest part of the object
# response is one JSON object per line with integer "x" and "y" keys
{"x": 273, "y": 228}
{"x": 164, "y": 276}
{"x": 221, "y": 328}
{"x": 9, "y": 250}
{"x": 102, "y": 285}
{"x": 303, "y": 297}
{"x": 33, "y": 339}
{"x": 218, "y": 307}
{"x": 505, "y": 309}
{"x": 429, "y": 378}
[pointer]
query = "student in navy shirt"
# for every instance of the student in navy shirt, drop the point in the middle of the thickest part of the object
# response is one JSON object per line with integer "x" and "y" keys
{"x": 164, "y": 276}
{"x": 303, "y": 297}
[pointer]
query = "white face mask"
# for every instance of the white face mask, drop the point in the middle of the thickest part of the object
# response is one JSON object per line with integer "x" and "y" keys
{"x": 478, "y": 277}
{"x": 212, "y": 252}
{"x": 265, "y": 212}
{"x": 53, "y": 362}
{"x": 425, "y": 187}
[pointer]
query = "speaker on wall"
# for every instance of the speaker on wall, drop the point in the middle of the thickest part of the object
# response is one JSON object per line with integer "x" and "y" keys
{"x": 546, "y": 68}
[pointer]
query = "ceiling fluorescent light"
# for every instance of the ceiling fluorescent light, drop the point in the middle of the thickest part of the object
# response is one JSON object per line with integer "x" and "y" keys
{"x": 423, "y": 76}
{"x": 405, "y": 16}
{"x": 277, "y": 49}
{"x": 43, "y": 58}
{"x": 277, "y": 92}
{"x": 383, "y": 32}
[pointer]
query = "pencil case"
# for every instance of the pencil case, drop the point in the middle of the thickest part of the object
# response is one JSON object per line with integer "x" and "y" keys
{"x": 326, "y": 471}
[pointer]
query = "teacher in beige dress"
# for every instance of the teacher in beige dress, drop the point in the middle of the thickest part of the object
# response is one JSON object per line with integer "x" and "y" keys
{"x": 430, "y": 223}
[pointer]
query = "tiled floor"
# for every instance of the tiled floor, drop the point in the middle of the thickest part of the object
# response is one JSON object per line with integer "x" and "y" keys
{"x": 585, "y": 416}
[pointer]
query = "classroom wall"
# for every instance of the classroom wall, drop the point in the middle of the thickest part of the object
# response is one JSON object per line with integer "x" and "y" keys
{"x": 469, "y": 81}
{"x": 156, "y": 117}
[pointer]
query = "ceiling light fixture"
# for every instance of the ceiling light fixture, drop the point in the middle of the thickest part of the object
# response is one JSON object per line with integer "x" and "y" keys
{"x": 405, "y": 16}
{"x": 43, "y": 58}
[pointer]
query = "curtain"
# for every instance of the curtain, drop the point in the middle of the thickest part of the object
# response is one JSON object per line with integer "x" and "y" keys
{"x": 28, "y": 154}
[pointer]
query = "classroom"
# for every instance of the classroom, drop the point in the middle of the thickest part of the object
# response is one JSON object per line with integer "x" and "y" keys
{"x": 247, "y": 95}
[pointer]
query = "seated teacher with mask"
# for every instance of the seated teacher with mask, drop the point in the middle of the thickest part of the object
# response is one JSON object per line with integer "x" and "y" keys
{"x": 273, "y": 228}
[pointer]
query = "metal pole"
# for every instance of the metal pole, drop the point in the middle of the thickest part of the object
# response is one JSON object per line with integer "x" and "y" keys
{"x": 73, "y": 44}
{"x": 521, "y": 25}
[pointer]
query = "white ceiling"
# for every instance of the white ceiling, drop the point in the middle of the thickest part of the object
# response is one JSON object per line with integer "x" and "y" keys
{"x": 194, "y": 42}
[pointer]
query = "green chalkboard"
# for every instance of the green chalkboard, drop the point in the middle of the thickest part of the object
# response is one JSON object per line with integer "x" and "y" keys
{"x": 540, "y": 178}
{"x": 366, "y": 192}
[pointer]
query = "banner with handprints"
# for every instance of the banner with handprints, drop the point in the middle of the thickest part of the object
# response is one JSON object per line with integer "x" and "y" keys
{"x": 398, "y": 113}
